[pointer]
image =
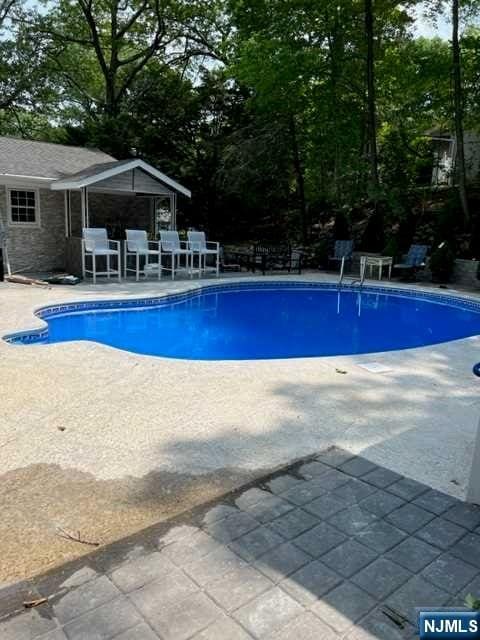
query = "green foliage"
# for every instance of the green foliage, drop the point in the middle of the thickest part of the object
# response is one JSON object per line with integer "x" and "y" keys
{"x": 391, "y": 247}
{"x": 257, "y": 105}
{"x": 442, "y": 262}
{"x": 472, "y": 602}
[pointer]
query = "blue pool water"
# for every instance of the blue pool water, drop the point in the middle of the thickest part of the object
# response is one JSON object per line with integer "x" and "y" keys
{"x": 251, "y": 322}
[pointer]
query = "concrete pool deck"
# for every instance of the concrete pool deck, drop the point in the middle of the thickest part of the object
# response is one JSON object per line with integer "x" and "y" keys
{"x": 105, "y": 442}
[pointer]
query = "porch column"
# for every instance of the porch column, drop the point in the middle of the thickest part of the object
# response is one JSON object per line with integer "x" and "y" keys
{"x": 68, "y": 213}
{"x": 84, "y": 204}
{"x": 173, "y": 211}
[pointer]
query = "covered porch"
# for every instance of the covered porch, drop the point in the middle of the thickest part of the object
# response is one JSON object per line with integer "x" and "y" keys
{"x": 118, "y": 195}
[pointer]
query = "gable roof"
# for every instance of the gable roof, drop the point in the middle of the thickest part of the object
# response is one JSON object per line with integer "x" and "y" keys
{"x": 96, "y": 173}
{"x": 69, "y": 167}
{"x": 33, "y": 159}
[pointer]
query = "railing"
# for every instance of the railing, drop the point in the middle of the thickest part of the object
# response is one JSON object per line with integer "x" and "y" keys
{"x": 363, "y": 268}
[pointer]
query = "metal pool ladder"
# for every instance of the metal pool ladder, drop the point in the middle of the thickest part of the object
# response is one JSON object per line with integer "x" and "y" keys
{"x": 358, "y": 281}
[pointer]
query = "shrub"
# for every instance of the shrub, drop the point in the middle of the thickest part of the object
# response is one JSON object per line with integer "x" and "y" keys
{"x": 442, "y": 262}
{"x": 391, "y": 248}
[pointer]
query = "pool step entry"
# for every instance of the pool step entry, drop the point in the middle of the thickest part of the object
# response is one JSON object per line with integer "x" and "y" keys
{"x": 353, "y": 280}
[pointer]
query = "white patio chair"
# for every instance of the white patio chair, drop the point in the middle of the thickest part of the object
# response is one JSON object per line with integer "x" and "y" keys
{"x": 139, "y": 246}
{"x": 202, "y": 248}
{"x": 171, "y": 245}
{"x": 95, "y": 243}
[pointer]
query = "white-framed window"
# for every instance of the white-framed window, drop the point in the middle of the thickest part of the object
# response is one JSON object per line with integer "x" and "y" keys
{"x": 23, "y": 206}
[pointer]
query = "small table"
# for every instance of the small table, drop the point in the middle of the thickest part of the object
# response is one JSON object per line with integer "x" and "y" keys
{"x": 380, "y": 262}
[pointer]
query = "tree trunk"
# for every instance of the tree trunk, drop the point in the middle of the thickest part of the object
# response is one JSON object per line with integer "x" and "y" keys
{"x": 371, "y": 106}
{"x": 458, "y": 112}
{"x": 298, "y": 169}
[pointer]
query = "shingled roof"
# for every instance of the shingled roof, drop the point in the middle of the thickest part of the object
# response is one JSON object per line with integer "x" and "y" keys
{"x": 46, "y": 160}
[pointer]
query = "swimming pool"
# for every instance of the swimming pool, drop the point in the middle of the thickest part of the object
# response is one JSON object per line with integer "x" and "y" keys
{"x": 248, "y": 321}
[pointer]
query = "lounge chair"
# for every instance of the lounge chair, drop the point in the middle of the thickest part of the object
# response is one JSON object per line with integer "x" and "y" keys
{"x": 202, "y": 248}
{"x": 413, "y": 260}
{"x": 95, "y": 243}
{"x": 171, "y": 245}
{"x": 139, "y": 246}
{"x": 343, "y": 252}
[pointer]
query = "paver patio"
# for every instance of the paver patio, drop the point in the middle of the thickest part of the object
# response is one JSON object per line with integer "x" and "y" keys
{"x": 334, "y": 547}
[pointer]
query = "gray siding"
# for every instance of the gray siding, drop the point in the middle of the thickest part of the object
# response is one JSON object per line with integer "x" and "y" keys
{"x": 37, "y": 248}
{"x": 136, "y": 180}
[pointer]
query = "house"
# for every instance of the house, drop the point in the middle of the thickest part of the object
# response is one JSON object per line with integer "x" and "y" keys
{"x": 444, "y": 153}
{"x": 49, "y": 192}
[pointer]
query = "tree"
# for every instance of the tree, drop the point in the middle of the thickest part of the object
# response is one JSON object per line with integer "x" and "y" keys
{"x": 371, "y": 101}
{"x": 460, "y": 169}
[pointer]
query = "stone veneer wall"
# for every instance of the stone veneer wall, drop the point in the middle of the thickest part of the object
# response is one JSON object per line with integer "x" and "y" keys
{"x": 41, "y": 248}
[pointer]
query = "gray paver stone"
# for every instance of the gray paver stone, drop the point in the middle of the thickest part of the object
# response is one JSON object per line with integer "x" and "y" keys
{"x": 87, "y": 596}
{"x": 250, "y": 497}
{"x": 133, "y": 575}
{"x": 26, "y": 626}
{"x": 282, "y": 483}
{"x": 218, "y": 512}
{"x": 326, "y": 506}
{"x": 282, "y": 561}
{"x": 192, "y": 547}
{"x": 141, "y": 632}
{"x": 441, "y": 533}
{"x": 348, "y": 558}
{"x": 293, "y": 523}
{"x": 311, "y": 582}
{"x": 181, "y": 619}
{"x": 417, "y": 592}
{"x": 343, "y": 606}
{"x": 357, "y": 467}
{"x": 238, "y": 587}
{"x": 381, "y": 503}
{"x": 381, "y": 477}
{"x": 435, "y": 501}
{"x": 232, "y": 527}
{"x": 468, "y": 549}
{"x": 334, "y": 456}
{"x": 223, "y": 628}
{"x": 170, "y": 588}
{"x": 320, "y": 539}
{"x": 214, "y": 565}
{"x": 466, "y": 515}
{"x": 313, "y": 469}
{"x": 414, "y": 554}
{"x": 449, "y": 573}
{"x": 268, "y": 613}
{"x": 333, "y": 479}
{"x": 410, "y": 518}
{"x": 378, "y": 626}
{"x": 270, "y": 508}
{"x": 306, "y": 627}
{"x": 105, "y": 622}
{"x": 304, "y": 492}
{"x": 380, "y": 536}
{"x": 354, "y": 491}
{"x": 381, "y": 578}
{"x": 352, "y": 520}
{"x": 407, "y": 489}
{"x": 256, "y": 543}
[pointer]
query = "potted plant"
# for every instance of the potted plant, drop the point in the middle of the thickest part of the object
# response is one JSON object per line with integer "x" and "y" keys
{"x": 442, "y": 263}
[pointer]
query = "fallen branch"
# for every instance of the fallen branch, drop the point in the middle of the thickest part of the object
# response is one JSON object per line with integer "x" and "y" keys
{"x": 29, "y": 604}
{"x": 26, "y": 280}
{"x": 75, "y": 537}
